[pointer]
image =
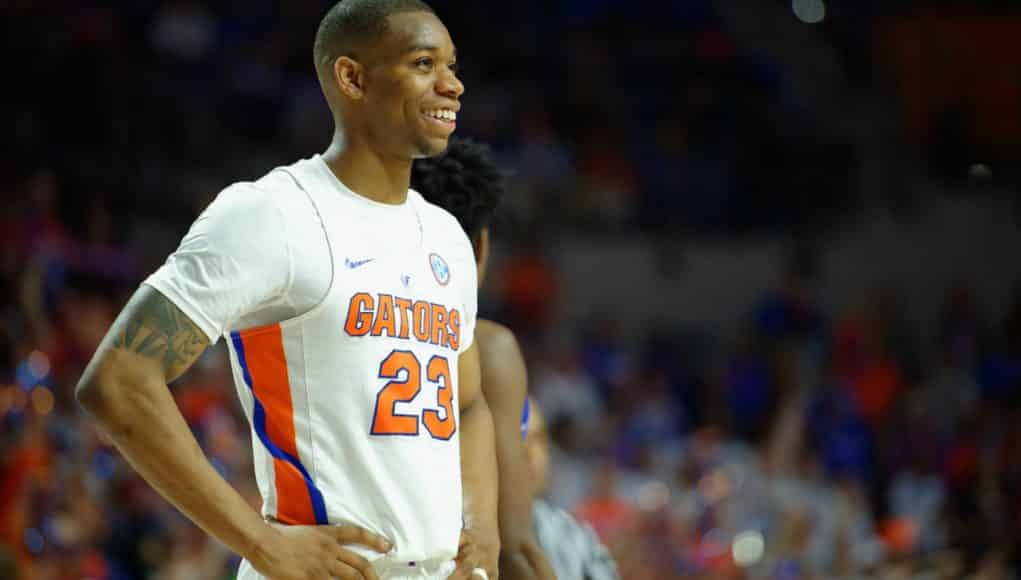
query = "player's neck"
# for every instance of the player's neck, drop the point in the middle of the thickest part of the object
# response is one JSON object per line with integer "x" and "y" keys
{"x": 368, "y": 174}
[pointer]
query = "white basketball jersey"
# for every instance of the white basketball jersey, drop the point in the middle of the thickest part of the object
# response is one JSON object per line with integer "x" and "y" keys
{"x": 354, "y": 403}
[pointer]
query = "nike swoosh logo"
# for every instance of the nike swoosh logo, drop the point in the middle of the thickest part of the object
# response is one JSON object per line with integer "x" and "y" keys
{"x": 355, "y": 264}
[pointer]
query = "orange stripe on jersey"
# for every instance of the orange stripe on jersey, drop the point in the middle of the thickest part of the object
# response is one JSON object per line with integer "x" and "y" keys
{"x": 267, "y": 367}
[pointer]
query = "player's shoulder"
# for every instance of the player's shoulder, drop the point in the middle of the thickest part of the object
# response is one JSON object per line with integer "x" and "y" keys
{"x": 495, "y": 336}
{"x": 277, "y": 194}
{"x": 504, "y": 378}
{"x": 280, "y": 185}
{"x": 497, "y": 342}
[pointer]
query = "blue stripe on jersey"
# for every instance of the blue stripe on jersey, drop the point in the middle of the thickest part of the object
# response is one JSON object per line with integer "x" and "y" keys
{"x": 259, "y": 419}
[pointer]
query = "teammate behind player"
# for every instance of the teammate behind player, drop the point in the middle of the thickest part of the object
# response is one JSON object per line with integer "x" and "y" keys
{"x": 465, "y": 181}
{"x": 348, "y": 306}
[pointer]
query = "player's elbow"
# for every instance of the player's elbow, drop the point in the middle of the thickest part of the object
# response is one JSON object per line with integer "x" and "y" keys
{"x": 108, "y": 388}
{"x": 87, "y": 393}
{"x": 97, "y": 394}
{"x": 93, "y": 389}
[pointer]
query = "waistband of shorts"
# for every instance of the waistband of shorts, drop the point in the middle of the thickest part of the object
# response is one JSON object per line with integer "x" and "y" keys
{"x": 391, "y": 562}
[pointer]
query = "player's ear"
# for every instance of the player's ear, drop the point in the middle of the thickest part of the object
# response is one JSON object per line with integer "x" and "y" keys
{"x": 349, "y": 76}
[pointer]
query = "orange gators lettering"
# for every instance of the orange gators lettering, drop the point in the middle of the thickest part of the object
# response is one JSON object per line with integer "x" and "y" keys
{"x": 453, "y": 330}
{"x": 359, "y": 314}
{"x": 439, "y": 329}
{"x": 404, "y": 306}
{"x": 421, "y": 321}
{"x": 384, "y": 317}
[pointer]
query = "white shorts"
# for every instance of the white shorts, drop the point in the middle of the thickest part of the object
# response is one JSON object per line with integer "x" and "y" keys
{"x": 387, "y": 569}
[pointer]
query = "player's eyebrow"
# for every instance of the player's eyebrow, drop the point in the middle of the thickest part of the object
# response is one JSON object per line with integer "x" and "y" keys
{"x": 418, "y": 47}
{"x": 427, "y": 47}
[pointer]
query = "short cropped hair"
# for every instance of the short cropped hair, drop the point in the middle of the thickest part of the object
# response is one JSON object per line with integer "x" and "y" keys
{"x": 352, "y": 25}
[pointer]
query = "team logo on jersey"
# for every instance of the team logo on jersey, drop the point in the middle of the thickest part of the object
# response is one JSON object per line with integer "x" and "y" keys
{"x": 440, "y": 269}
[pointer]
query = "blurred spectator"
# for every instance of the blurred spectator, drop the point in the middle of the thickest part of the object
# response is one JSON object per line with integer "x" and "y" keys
{"x": 529, "y": 290}
{"x": 788, "y": 312}
{"x": 750, "y": 390}
{"x": 566, "y": 392}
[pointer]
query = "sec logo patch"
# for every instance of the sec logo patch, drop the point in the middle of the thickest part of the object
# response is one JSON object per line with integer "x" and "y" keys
{"x": 440, "y": 269}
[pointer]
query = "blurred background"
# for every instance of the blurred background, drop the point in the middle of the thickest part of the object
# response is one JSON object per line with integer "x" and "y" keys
{"x": 762, "y": 255}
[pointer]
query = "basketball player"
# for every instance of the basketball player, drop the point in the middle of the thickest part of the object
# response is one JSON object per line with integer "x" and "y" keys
{"x": 465, "y": 181}
{"x": 348, "y": 306}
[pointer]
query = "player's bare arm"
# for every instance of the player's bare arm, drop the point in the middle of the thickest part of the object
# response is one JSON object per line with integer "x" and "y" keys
{"x": 504, "y": 385}
{"x": 125, "y": 388}
{"x": 478, "y": 473}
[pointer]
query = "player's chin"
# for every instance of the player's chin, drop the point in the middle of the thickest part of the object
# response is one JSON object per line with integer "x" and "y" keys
{"x": 432, "y": 146}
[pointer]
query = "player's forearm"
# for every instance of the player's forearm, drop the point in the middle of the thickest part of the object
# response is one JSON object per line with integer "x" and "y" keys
{"x": 479, "y": 471}
{"x": 145, "y": 424}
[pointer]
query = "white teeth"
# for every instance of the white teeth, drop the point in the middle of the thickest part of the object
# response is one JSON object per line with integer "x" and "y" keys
{"x": 442, "y": 114}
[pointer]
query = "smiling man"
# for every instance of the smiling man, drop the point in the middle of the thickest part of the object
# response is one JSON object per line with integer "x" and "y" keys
{"x": 348, "y": 304}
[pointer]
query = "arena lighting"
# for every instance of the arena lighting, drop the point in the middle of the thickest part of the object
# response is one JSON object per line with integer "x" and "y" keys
{"x": 809, "y": 11}
{"x": 980, "y": 172}
{"x": 39, "y": 364}
{"x": 748, "y": 548}
{"x": 42, "y": 400}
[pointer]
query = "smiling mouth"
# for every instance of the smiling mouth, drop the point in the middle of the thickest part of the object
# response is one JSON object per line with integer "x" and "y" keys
{"x": 446, "y": 116}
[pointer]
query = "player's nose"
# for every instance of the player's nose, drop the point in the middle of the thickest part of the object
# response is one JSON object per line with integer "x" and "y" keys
{"x": 450, "y": 86}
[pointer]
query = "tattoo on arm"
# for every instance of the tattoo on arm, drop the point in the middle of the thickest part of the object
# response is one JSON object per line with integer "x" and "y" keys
{"x": 153, "y": 327}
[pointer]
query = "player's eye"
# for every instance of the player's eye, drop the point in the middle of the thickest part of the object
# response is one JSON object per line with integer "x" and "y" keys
{"x": 454, "y": 67}
{"x": 424, "y": 63}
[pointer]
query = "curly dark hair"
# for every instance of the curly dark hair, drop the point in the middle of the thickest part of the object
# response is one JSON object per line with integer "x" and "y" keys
{"x": 463, "y": 180}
